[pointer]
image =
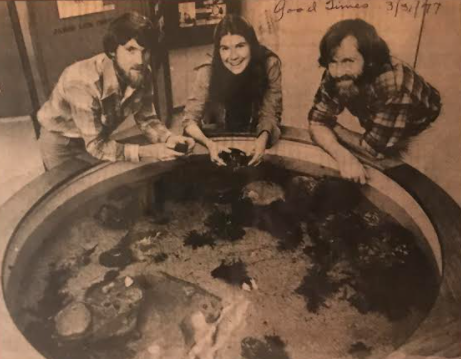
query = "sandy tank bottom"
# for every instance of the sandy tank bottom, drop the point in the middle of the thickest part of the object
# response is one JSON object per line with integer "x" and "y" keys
{"x": 214, "y": 287}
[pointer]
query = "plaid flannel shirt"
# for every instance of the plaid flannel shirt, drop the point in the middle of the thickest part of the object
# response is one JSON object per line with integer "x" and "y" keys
{"x": 398, "y": 104}
{"x": 87, "y": 103}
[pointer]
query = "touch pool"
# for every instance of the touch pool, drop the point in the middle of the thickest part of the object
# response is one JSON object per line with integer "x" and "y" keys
{"x": 273, "y": 262}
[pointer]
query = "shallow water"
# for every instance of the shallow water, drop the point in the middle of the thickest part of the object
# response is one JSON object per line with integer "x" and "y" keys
{"x": 288, "y": 267}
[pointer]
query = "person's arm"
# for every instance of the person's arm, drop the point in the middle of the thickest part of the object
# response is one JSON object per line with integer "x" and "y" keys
{"x": 322, "y": 119}
{"x": 388, "y": 127}
{"x": 354, "y": 141}
{"x": 195, "y": 105}
{"x": 270, "y": 113}
{"x": 395, "y": 97}
{"x": 86, "y": 112}
{"x": 194, "y": 112}
{"x": 150, "y": 125}
{"x": 154, "y": 129}
{"x": 349, "y": 166}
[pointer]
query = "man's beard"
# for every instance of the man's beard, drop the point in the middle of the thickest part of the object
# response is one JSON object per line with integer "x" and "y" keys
{"x": 132, "y": 78}
{"x": 347, "y": 88}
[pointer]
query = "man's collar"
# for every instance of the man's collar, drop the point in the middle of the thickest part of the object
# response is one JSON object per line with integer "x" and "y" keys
{"x": 110, "y": 80}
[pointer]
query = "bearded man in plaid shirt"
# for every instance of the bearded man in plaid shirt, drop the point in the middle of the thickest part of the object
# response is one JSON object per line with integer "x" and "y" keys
{"x": 391, "y": 101}
{"x": 94, "y": 96}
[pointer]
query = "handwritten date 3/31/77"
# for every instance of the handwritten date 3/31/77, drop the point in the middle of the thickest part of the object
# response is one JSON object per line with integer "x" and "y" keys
{"x": 413, "y": 8}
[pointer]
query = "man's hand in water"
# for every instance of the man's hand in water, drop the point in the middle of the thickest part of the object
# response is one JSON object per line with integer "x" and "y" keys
{"x": 159, "y": 152}
{"x": 351, "y": 168}
{"x": 215, "y": 149}
{"x": 175, "y": 140}
{"x": 258, "y": 150}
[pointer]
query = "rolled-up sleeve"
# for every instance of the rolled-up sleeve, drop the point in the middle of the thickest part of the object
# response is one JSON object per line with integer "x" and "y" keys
{"x": 325, "y": 108}
{"x": 195, "y": 105}
{"x": 270, "y": 112}
{"x": 86, "y": 112}
{"x": 148, "y": 122}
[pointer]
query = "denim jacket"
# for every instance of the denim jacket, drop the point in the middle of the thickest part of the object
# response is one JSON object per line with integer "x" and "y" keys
{"x": 267, "y": 117}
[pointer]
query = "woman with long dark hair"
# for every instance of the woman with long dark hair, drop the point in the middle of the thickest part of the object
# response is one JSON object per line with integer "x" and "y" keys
{"x": 239, "y": 90}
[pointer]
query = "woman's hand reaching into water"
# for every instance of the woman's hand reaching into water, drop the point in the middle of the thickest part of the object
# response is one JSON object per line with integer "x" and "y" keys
{"x": 215, "y": 149}
{"x": 258, "y": 150}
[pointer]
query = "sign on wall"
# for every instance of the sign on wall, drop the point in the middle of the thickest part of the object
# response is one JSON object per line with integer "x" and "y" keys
{"x": 72, "y": 8}
{"x": 191, "y": 23}
{"x": 197, "y": 13}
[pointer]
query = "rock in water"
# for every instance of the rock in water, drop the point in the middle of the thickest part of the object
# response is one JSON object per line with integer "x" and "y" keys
{"x": 118, "y": 257}
{"x": 271, "y": 348}
{"x": 115, "y": 311}
{"x": 73, "y": 322}
{"x": 263, "y": 193}
{"x": 232, "y": 272}
{"x": 111, "y": 216}
{"x": 305, "y": 185}
{"x": 236, "y": 159}
{"x": 225, "y": 226}
{"x": 196, "y": 239}
{"x": 166, "y": 311}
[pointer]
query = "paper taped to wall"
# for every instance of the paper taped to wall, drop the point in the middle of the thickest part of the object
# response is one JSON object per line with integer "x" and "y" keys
{"x": 73, "y": 8}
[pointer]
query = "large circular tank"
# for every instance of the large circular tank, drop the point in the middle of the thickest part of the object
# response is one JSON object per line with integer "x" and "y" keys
{"x": 33, "y": 217}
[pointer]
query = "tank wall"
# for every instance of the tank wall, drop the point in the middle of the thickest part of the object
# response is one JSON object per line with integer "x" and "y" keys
{"x": 41, "y": 223}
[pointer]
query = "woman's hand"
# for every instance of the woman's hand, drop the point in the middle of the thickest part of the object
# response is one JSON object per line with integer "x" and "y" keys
{"x": 172, "y": 141}
{"x": 215, "y": 149}
{"x": 258, "y": 150}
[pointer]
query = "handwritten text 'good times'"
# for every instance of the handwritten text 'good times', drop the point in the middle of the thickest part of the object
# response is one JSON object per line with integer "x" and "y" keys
{"x": 395, "y": 7}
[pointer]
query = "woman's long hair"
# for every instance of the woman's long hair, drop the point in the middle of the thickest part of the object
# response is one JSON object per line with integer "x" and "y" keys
{"x": 253, "y": 82}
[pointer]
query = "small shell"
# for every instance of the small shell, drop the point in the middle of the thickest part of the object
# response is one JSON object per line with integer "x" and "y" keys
{"x": 246, "y": 287}
{"x": 128, "y": 281}
{"x": 253, "y": 284}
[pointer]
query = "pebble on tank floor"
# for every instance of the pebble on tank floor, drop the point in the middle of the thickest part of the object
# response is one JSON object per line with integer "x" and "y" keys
{"x": 235, "y": 262}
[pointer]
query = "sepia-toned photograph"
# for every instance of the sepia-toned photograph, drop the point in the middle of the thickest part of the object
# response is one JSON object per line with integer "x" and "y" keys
{"x": 230, "y": 179}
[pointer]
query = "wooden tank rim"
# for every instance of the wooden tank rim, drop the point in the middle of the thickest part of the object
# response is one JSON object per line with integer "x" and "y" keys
{"x": 441, "y": 209}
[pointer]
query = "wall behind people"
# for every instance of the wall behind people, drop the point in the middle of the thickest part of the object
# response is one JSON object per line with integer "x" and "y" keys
{"x": 182, "y": 64}
{"x": 14, "y": 94}
{"x": 436, "y": 152}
